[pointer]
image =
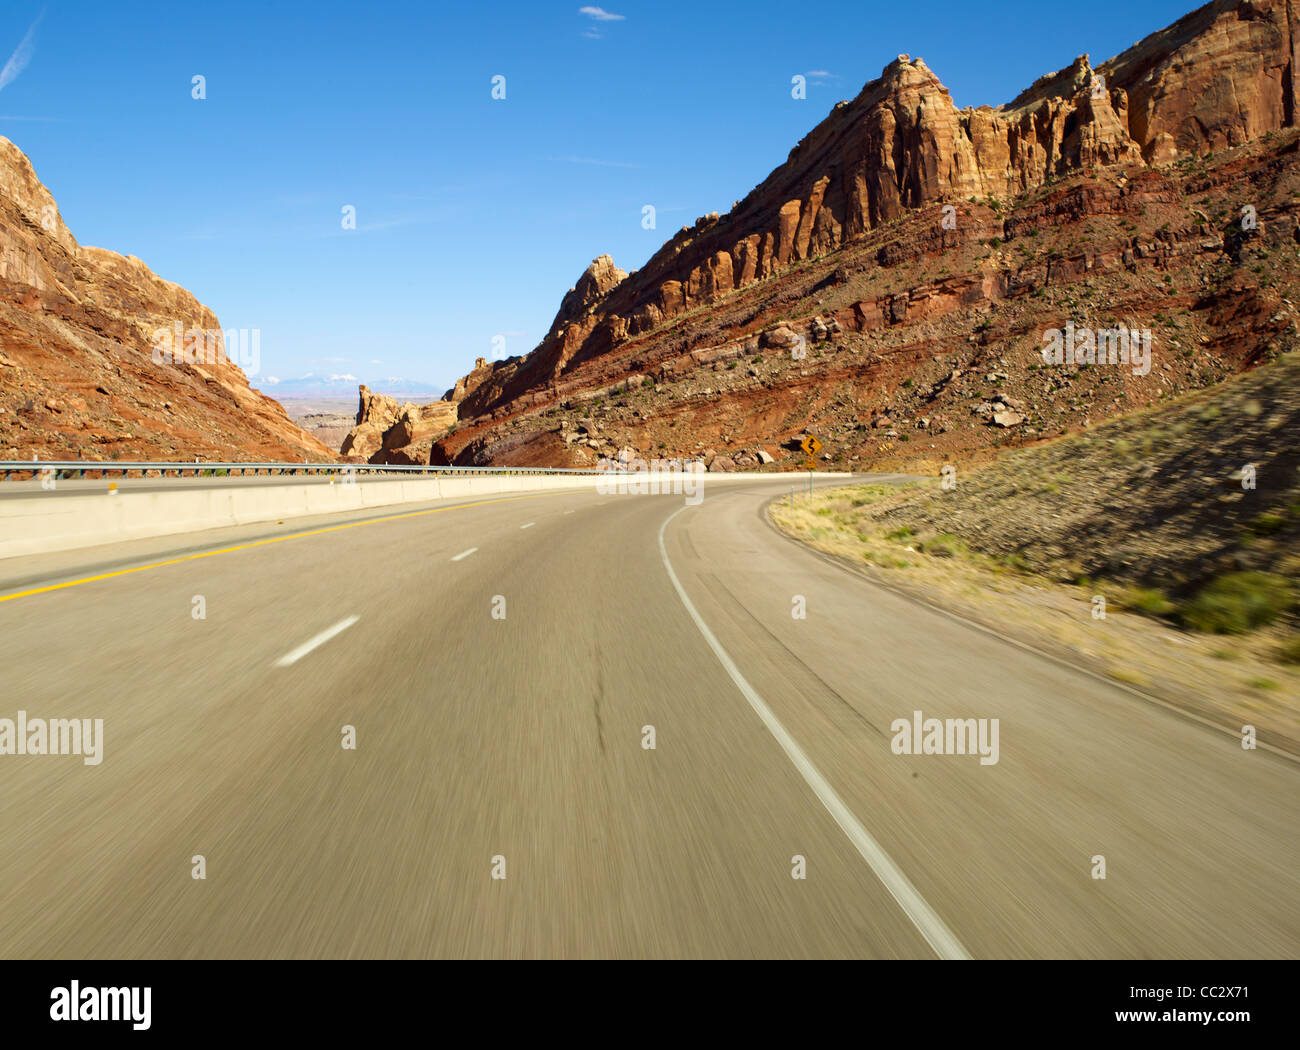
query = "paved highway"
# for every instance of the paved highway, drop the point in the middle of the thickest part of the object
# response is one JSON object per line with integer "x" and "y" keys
{"x": 515, "y": 745}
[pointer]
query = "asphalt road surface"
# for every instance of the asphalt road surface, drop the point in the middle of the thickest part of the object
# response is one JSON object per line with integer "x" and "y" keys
{"x": 488, "y": 745}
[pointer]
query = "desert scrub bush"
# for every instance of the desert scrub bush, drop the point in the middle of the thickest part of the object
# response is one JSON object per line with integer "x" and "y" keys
{"x": 1015, "y": 561}
{"x": 906, "y": 532}
{"x": 1237, "y": 602}
{"x": 1266, "y": 524}
{"x": 945, "y": 545}
{"x": 1289, "y": 653}
{"x": 1146, "y": 600}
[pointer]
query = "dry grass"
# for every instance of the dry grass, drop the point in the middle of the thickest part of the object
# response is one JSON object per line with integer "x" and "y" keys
{"x": 1216, "y": 677}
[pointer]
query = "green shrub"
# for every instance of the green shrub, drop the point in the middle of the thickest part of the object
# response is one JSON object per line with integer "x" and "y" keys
{"x": 1266, "y": 524}
{"x": 1151, "y": 601}
{"x": 1290, "y": 651}
{"x": 1145, "y": 600}
{"x": 945, "y": 545}
{"x": 1238, "y": 602}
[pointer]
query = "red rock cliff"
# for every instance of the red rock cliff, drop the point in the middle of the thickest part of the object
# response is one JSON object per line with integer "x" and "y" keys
{"x": 1218, "y": 77}
{"x": 77, "y": 375}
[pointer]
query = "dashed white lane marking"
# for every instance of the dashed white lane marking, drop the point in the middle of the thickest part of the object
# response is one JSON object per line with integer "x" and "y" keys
{"x": 923, "y": 917}
{"x": 312, "y": 643}
{"x": 568, "y": 512}
{"x": 464, "y": 554}
{"x": 529, "y": 525}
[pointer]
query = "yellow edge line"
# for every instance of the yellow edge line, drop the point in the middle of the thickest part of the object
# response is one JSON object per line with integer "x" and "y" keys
{"x": 263, "y": 543}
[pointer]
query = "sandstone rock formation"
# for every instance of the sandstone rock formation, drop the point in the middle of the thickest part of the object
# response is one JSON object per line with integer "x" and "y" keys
{"x": 77, "y": 334}
{"x": 596, "y": 282}
{"x": 387, "y": 432}
{"x": 900, "y": 177}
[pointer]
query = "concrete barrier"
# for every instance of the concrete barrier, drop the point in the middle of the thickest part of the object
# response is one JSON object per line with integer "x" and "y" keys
{"x": 41, "y": 525}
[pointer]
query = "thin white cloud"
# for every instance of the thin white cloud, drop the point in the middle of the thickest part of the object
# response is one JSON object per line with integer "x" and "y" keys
{"x": 21, "y": 56}
{"x": 599, "y": 14}
{"x": 347, "y": 375}
{"x": 398, "y": 222}
{"x": 270, "y": 381}
{"x": 595, "y": 161}
{"x": 819, "y": 73}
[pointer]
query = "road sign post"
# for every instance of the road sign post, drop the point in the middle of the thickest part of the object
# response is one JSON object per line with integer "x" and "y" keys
{"x": 811, "y": 446}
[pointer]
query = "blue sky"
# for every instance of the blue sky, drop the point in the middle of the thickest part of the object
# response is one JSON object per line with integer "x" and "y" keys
{"x": 474, "y": 216}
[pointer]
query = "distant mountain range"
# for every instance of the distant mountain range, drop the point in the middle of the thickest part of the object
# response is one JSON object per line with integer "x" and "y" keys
{"x": 345, "y": 385}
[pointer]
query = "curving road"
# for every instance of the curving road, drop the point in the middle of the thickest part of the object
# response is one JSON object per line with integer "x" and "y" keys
{"x": 481, "y": 738}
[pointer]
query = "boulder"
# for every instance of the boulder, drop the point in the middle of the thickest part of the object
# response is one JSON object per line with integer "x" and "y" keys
{"x": 782, "y": 337}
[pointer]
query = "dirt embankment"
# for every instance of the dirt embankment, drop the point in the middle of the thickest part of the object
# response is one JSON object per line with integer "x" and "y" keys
{"x": 1160, "y": 549}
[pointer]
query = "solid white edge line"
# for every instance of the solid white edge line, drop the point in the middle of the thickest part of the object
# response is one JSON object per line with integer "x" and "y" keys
{"x": 311, "y": 643}
{"x": 464, "y": 554}
{"x": 923, "y": 917}
{"x": 529, "y": 525}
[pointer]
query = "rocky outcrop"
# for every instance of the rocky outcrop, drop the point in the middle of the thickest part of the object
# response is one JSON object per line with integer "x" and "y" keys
{"x": 387, "y": 432}
{"x": 376, "y": 415}
{"x": 482, "y": 372}
{"x": 596, "y": 282}
{"x": 1221, "y": 76}
{"x": 79, "y": 329}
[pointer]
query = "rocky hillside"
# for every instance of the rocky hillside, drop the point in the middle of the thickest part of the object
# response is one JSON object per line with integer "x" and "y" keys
{"x": 1161, "y": 549}
{"x": 78, "y": 378}
{"x": 888, "y": 287}
{"x": 1167, "y": 499}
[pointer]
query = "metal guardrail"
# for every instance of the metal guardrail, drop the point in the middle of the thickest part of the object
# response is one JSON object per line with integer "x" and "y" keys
{"x": 80, "y": 467}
